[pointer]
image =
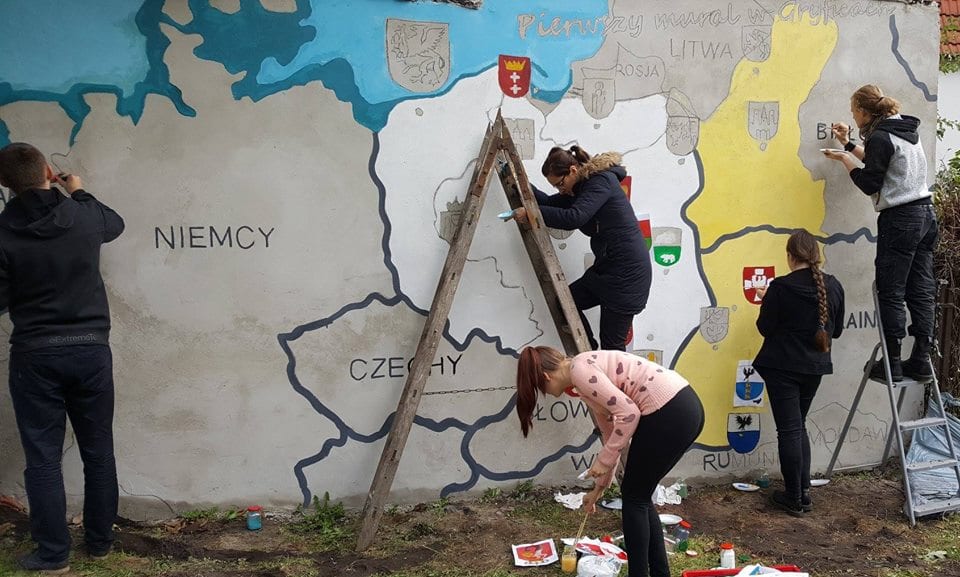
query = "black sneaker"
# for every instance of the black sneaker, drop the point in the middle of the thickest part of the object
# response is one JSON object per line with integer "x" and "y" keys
{"x": 783, "y": 501}
{"x": 896, "y": 369}
{"x": 33, "y": 562}
{"x": 806, "y": 503}
{"x": 918, "y": 369}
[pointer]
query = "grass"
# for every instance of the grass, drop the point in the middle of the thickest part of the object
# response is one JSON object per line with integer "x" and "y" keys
{"x": 326, "y": 527}
{"x": 440, "y": 505}
{"x": 523, "y": 491}
{"x": 455, "y": 573}
{"x": 201, "y": 514}
{"x": 491, "y": 495}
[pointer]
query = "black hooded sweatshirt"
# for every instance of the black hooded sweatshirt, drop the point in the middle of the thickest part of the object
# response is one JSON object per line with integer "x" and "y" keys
{"x": 789, "y": 320}
{"x": 50, "y": 268}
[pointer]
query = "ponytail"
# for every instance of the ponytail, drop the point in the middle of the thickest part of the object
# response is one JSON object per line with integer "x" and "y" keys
{"x": 559, "y": 160}
{"x": 870, "y": 99}
{"x": 580, "y": 154}
{"x": 534, "y": 362}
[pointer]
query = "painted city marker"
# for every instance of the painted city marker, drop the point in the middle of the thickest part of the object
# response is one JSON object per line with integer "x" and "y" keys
{"x": 755, "y": 277}
{"x": 513, "y": 72}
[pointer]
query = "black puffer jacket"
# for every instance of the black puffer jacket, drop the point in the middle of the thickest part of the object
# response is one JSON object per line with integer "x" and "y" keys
{"x": 621, "y": 273}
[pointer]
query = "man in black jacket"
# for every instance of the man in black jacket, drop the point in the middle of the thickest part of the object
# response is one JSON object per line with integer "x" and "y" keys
{"x": 60, "y": 359}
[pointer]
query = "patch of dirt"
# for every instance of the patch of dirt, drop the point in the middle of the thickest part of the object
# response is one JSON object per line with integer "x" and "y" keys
{"x": 857, "y": 528}
{"x": 14, "y": 521}
{"x": 202, "y": 573}
{"x": 857, "y": 523}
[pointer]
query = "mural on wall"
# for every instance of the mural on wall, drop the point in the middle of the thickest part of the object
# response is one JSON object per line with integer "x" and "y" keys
{"x": 292, "y": 173}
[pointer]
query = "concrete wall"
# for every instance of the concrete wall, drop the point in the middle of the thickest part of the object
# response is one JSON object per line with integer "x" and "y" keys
{"x": 289, "y": 173}
{"x": 948, "y": 106}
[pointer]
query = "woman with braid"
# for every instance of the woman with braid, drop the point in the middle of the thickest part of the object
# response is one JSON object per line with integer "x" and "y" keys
{"x": 799, "y": 315}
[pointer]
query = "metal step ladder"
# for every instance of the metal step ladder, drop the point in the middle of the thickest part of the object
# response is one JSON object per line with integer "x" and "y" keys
{"x": 911, "y": 507}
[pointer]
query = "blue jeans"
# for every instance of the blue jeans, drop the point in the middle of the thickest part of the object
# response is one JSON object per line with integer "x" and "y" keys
{"x": 906, "y": 239}
{"x": 791, "y": 395}
{"x": 47, "y": 385}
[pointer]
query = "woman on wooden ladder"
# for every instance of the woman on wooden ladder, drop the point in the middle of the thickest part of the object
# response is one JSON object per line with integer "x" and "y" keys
{"x": 590, "y": 199}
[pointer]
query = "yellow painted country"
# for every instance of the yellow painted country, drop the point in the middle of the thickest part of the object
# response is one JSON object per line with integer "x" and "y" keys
{"x": 745, "y": 186}
{"x": 712, "y": 371}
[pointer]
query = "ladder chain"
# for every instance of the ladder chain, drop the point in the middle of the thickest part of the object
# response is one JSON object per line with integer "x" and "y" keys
{"x": 479, "y": 390}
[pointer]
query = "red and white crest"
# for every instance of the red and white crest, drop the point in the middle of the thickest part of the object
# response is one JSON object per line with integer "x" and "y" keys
{"x": 755, "y": 277}
{"x": 514, "y": 75}
{"x": 627, "y": 185}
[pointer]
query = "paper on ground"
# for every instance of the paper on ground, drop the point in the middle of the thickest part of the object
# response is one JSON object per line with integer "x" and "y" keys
{"x": 535, "y": 554}
{"x": 768, "y": 571}
{"x": 571, "y": 501}
{"x": 667, "y": 495}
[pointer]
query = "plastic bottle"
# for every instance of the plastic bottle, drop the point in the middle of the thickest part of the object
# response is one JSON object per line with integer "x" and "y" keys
{"x": 254, "y": 518}
{"x": 682, "y": 535}
{"x": 682, "y": 491}
{"x": 728, "y": 557}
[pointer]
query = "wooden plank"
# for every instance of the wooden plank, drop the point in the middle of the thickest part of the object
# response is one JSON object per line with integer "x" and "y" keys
{"x": 539, "y": 247}
{"x": 427, "y": 346}
{"x": 537, "y": 241}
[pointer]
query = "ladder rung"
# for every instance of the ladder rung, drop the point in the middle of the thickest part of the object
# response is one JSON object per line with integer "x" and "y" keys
{"x": 924, "y": 423}
{"x": 906, "y": 382}
{"x": 938, "y": 506}
{"x": 930, "y": 465}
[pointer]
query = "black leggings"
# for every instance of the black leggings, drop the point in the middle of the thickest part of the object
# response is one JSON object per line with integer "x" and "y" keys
{"x": 659, "y": 442}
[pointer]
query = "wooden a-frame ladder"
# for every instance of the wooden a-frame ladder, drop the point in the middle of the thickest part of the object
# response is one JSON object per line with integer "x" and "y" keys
{"x": 497, "y": 151}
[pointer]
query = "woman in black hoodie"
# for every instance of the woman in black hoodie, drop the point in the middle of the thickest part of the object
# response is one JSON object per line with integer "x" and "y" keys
{"x": 894, "y": 175}
{"x": 590, "y": 199}
{"x": 799, "y": 315}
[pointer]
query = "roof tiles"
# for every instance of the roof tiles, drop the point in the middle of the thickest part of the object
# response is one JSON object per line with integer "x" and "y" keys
{"x": 950, "y": 27}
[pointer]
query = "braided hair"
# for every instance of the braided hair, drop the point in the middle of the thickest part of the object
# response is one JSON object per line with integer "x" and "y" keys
{"x": 803, "y": 247}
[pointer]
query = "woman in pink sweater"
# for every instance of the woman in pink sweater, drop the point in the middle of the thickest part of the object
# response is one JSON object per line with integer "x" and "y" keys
{"x": 632, "y": 400}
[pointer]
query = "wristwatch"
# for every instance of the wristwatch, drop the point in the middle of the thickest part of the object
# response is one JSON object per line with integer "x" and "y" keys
{"x": 849, "y": 146}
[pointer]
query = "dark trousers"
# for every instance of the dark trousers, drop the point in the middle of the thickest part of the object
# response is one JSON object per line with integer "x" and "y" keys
{"x": 614, "y": 326}
{"x": 790, "y": 397}
{"x": 906, "y": 238}
{"x": 659, "y": 442}
{"x": 47, "y": 385}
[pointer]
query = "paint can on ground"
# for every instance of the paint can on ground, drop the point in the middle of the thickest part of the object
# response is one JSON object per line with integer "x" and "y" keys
{"x": 728, "y": 557}
{"x": 254, "y": 518}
